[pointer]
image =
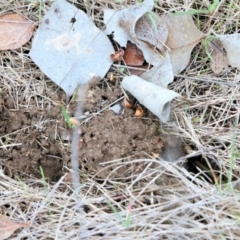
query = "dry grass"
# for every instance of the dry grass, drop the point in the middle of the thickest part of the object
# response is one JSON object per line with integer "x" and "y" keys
{"x": 165, "y": 202}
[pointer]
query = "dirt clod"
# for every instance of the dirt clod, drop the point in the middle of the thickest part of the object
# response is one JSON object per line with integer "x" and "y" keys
{"x": 109, "y": 136}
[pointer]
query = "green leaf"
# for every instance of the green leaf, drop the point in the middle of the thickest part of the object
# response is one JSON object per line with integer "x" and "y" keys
{"x": 149, "y": 14}
{"x": 191, "y": 12}
{"x": 213, "y": 5}
{"x": 66, "y": 116}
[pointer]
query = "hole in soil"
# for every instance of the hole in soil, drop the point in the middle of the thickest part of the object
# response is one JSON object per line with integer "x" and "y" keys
{"x": 202, "y": 166}
{"x": 104, "y": 98}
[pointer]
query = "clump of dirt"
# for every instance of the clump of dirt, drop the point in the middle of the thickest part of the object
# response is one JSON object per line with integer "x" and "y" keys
{"x": 31, "y": 137}
{"x": 109, "y": 136}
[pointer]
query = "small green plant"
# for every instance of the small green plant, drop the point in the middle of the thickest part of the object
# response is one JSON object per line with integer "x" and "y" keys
{"x": 121, "y": 70}
{"x": 125, "y": 223}
{"x": 128, "y": 217}
{"x": 45, "y": 188}
{"x": 196, "y": 11}
{"x": 22, "y": 184}
{"x": 205, "y": 43}
{"x": 43, "y": 178}
{"x": 40, "y": 6}
{"x": 66, "y": 116}
{"x": 149, "y": 14}
{"x": 160, "y": 128}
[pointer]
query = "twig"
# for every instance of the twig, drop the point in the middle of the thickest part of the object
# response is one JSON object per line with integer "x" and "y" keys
{"x": 81, "y": 93}
{"x": 129, "y": 67}
{"x": 206, "y": 80}
{"x": 119, "y": 99}
{"x": 11, "y": 145}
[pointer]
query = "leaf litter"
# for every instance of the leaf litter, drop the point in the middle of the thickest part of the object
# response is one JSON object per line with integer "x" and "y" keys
{"x": 123, "y": 25}
{"x": 141, "y": 27}
{"x": 149, "y": 28}
{"x": 70, "y": 53}
{"x": 178, "y": 173}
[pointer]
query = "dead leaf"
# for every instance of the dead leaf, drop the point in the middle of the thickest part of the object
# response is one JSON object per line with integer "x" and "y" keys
{"x": 219, "y": 59}
{"x": 150, "y": 53}
{"x": 133, "y": 56}
{"x": 155, "y": 98}
{"x": 7, "y": 227}
{"x": 162, "y": 74}
{"x": 117, "y": 55}
{"x": 149, "y": 28}
{"x": 111, "y": 19}
{"x": 122, "y": 24}
{"x": 231, "y": 43}
{"x": 131, "y": 15}
{"x": 183, "y": 36}
{"x": 70, "y": 53}
{"x": 15, "y": 31}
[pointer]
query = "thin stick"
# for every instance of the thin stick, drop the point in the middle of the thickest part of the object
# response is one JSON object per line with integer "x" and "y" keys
{"x": 206, "y": 80}
{"x": 119, "y": 99}
{"x": 11, "y": 145}
{"x": 81, "y": 93}
{"x": 129, "y": 67}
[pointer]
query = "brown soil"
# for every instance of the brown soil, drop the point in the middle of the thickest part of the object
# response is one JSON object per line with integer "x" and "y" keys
{"x": 36, "y": 132}
{"x": 106, "y": 136}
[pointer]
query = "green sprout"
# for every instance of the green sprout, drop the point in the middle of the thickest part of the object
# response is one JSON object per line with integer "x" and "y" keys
{"x": 40, "y": 7}
{"x": 196, "y": 11}
{"x": 66, "y": 117}
{"x": 205, "y": 44}
{"x": 125, "y": 223}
